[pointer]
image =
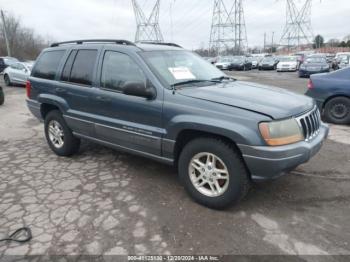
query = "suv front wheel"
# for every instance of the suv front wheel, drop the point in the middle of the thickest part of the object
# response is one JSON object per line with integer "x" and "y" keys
{"x": 213, "y": 173}
{"x": 58, "y": 135}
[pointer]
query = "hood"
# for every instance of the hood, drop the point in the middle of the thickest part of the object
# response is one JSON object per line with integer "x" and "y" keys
{"x": 271, "y": 101}
{"x": 287, "y": 63}
{"x": 314, "y": 64}
{"x": 222, "y": 63}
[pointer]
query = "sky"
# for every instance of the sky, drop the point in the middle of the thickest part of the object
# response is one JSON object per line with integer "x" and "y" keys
{"x": 185, "y": 22}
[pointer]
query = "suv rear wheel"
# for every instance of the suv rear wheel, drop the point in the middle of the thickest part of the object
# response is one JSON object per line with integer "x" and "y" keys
{"x": 213, "y": 173}
{"x": 58, "y": 135}
{"x": 337, "y": 110}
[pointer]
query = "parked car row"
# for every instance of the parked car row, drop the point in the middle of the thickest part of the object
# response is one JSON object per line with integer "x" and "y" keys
{"x": 234, "y": 63}
{"x": 6, "y": 61}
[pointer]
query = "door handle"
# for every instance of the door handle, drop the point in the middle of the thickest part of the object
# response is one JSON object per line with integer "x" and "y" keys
{"x": 103, "y": 99}
{"x": 61, "y": 90}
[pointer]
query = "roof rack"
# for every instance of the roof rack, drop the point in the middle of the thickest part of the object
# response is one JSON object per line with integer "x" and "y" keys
{"x": 157, "y": 43}
{"x": 79, "y": 42}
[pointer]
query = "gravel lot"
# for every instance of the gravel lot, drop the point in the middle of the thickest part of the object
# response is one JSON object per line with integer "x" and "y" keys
{"x": 106, "y": 202}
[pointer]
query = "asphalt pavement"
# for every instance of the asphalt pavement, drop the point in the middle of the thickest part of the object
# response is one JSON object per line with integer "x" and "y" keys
{"x": 107, "y": 202}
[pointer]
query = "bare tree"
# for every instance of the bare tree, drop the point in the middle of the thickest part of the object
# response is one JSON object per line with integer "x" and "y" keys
{"x": 25, "y": 44}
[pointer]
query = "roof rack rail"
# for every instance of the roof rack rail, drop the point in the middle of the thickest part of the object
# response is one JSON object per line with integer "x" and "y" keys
{"x": 157, "y": 43}
{"x": 79, "y": 42}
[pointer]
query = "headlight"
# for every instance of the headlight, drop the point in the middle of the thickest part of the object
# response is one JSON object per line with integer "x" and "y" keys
{"x": 278, "y": 133}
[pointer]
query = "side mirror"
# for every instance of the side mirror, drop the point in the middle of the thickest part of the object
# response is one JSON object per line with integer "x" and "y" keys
{"x": 140, "y": 89}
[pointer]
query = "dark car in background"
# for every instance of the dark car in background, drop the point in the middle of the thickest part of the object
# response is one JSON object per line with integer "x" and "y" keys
{"x": 241, "y": 63}
{"x": 314, "y": 65}
{"x": 6, "y": 61}
{"x": 332, "y": 94}
{"x": 268, "y": 63}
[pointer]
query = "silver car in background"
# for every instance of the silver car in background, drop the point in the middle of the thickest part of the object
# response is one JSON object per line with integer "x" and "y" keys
{"x": 17, "y": 73}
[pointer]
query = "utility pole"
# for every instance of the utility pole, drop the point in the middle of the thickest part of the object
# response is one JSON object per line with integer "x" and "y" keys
{"x": 228, "y": 29}
{"x": 148, "y": 29}
{"x": 273, "y": 34}
{"x": 264, "y": 42}
{"x": 5, "y": 33}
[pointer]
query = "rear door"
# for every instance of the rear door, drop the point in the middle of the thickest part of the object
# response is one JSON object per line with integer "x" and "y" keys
{"x": 76, "y": 87}
{"x": 128, "y": 121}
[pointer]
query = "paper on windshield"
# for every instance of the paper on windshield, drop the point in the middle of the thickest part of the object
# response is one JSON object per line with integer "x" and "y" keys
{"x": 181, "y": 73}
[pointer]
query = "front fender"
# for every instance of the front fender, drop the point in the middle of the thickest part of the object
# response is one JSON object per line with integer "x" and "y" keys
{"x": 244, "y": 131}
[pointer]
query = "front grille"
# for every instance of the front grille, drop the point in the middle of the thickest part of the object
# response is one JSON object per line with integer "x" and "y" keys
{"x": 310, "y": 123}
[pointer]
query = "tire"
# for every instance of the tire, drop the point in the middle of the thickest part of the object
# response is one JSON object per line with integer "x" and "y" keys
{"x": 2, "y": 96}
{"x": 7, "y": 80}
{"x": 233, "y": 189}
{"x": 337, "y": 110}
{"x": 70, "y": 144}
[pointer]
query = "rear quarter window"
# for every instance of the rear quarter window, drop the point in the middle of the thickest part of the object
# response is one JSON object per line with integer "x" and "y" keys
{"x": 83, "y": 67}
{"x": 47, "y": 65}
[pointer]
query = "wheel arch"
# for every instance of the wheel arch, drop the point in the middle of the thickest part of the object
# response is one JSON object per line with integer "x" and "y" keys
{"x": 45, "y": 108}
{"x": 332, "y": 97}
{"x": 51, "y": 102}
{"x": 187, "y": 135}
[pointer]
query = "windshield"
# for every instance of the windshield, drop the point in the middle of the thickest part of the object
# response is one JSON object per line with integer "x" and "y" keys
{"x": 238, "y": 59}
{"x": 225, "y": 59}
{"x": 268, "y": 60}
{"x": 10, "y": 61}
{"x": 316, "y": 60}
{"x": 179, "y": 66}
{"x": 288, "y": 59}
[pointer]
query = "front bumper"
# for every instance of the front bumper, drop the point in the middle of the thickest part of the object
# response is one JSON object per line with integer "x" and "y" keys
{"x": 305, "y": 73}
{"x": 267, "y": 67}
{"x": 266, "y": 162}
{"x": 286, "y": 69}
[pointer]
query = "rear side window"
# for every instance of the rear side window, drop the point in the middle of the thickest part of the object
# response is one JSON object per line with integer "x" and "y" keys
{"x": 83, "y": 67}
{"x": 68, "y": 66}
{"x": 47, "y": 65}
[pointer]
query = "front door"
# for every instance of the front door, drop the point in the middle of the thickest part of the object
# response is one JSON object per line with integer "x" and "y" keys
{"x": 127, "y": 121}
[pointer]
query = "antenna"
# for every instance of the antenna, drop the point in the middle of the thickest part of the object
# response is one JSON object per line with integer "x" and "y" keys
{"x": 148, "y": 29}
{"x": 228, "y": 31}
{"x": 298, "y": 29}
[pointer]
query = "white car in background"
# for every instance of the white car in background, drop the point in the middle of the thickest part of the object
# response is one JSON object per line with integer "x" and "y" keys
{"x": 287, "y": 64}
{"x": 344, "y": 61}
{"x": 17, "y": 73}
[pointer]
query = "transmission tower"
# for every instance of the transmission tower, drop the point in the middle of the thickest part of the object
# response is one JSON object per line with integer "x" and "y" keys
{"x": 148, "y": 29}
{"x": 298, "y": 30}
{"x": 228, "y": 31}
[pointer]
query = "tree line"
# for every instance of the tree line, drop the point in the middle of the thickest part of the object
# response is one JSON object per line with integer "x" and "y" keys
{"x": 24, "y": 43}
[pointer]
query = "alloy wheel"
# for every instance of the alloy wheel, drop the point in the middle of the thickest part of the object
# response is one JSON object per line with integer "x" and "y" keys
{"x": 209, "y": 174}
{"x": 56, "y": 134}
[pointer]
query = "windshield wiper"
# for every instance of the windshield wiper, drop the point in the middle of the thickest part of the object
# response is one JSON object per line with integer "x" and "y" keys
{"x": 222, "y": 78}
{"x": 194, "y": 81}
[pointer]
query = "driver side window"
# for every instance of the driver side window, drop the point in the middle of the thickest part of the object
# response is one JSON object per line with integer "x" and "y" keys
{"x": 117, "y": 69}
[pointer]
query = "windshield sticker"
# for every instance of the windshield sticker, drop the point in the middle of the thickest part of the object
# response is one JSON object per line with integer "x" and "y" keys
{"x": 181, "y": 73}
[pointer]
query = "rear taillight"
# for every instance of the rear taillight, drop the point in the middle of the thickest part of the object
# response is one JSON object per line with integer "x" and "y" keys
{"x": 28, "y": 88}
{"x": 310, "y": 85}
